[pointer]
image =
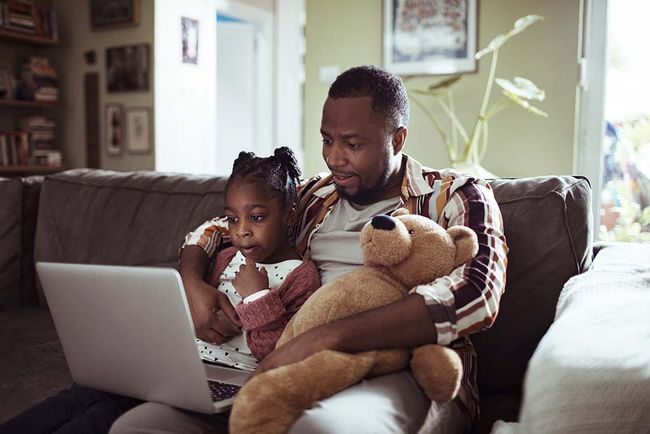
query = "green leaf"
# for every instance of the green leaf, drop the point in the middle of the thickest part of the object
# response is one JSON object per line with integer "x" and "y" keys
{"x": 520, "y": 25}
{"x": 525, "y": 104}
{"x": 521, "y": 87}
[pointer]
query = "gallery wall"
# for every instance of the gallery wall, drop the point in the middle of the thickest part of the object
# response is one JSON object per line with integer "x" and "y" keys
{"x": 344, "y": 34}
{"x": 77, "y": 37}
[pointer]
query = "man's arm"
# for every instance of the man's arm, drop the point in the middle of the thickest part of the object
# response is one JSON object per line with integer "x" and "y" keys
{"x": 214, "y": 317}
{"x": 403, "y": 324}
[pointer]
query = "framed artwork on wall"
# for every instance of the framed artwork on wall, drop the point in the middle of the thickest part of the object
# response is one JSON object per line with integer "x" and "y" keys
{"x": 138, "y": 130}
{"x": 127, "y": 68}
{"x": 106, "y": 14}
{"x": 190, "y": 40}
{"x": 114, "y": 126}
{"x": 430, "y": 37}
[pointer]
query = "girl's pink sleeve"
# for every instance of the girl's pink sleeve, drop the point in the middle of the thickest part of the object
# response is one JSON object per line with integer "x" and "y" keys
{"x": 265, "y": 318}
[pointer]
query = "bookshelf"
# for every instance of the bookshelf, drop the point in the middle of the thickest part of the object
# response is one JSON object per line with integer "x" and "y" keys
{"x": 28, "y": 89}
{"x": 14, "y": 36}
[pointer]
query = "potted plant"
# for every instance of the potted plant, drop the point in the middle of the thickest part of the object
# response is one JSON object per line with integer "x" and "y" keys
{"x": 466, "y": 150}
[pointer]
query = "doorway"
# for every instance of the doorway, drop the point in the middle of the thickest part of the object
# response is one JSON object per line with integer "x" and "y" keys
{"x": 244, "y": 83}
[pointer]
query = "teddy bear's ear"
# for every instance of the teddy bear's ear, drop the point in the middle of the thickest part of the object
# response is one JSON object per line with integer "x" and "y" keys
{"x": 466, "y": 243}
{"x": 399, "y": 211}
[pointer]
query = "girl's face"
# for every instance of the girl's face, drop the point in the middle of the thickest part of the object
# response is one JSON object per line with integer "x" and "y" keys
{"x": 257, "y": 222}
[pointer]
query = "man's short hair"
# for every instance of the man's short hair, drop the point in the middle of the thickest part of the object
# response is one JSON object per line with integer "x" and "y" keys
{"x": 388, "y": 93}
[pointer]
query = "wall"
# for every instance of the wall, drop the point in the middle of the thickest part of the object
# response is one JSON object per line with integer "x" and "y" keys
{"x": 185, "y": 93}
{"x": 521, "y": 144}
{"x": 77, "y": 37}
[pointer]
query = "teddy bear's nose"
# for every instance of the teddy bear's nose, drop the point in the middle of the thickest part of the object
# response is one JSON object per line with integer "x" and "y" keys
{"x": 383, "y": 222}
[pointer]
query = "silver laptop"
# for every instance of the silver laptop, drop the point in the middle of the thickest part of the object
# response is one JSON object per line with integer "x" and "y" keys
{"x": 128, "y": 330}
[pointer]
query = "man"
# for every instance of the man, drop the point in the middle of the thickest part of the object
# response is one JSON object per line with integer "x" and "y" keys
{"x": 364, "y": 129}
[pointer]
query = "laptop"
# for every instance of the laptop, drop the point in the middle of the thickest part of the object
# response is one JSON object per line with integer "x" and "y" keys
{"x": 128, "y": 330}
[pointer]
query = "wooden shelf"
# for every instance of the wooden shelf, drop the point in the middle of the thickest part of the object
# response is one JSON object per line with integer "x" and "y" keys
{"x": 34, "y": 169}
{"x": 11, "y": 35}
{"x": 27, "y": 103}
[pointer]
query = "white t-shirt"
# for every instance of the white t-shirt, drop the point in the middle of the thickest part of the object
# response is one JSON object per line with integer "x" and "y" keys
{"x": 236, "y": 352}
{"x": 335, "y": 245}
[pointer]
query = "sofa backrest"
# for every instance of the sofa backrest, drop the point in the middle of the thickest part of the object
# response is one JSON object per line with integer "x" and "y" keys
{"x": 10, "y": 224}
{"x": 122, "y": 218}
{"x": 548, "y": 228}
{"x": 18, "y": 211}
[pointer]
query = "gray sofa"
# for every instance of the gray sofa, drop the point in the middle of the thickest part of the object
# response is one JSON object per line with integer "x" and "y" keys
{"x": 140, "y": 218}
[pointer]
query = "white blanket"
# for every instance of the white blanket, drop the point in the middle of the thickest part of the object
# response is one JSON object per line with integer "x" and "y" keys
{"x": 591, "y": 371}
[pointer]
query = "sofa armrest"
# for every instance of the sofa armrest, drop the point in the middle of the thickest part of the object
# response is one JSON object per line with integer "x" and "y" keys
{"x": 590, "y": 371}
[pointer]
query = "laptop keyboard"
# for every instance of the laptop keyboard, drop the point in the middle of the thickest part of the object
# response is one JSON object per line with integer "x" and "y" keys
{"x": 221, "y": 391}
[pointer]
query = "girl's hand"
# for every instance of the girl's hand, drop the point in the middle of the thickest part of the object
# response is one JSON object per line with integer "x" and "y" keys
{"x": 250, "y": 279}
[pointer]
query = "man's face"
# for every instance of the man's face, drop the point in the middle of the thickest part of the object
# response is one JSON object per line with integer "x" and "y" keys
{"x": 357, "y": 148}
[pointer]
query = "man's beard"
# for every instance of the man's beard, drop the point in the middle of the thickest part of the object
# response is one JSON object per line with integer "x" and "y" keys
{"x": 367, "y": 196}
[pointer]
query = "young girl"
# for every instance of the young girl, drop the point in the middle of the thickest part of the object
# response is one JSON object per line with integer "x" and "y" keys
{"x": 262, "y": 274}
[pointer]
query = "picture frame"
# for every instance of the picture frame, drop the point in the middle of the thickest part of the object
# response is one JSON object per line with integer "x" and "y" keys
{"x": 108, "y": 14}
{"x": 430, "y": 37}
{"x": 138, "y": 130}
{"x": 128, "y": 68}
{"x": 114, "y": 128}
{"x": 190, "y": 40}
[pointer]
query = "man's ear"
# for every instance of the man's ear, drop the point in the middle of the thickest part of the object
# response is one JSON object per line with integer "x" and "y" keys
{"x": 399, "y": 139}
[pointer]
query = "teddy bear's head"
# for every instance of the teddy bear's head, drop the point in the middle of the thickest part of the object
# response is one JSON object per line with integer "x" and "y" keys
{"x": 415, "y": 249}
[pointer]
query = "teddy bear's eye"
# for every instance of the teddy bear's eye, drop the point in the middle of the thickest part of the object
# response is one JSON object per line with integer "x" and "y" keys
{"x": 411, "y": 232}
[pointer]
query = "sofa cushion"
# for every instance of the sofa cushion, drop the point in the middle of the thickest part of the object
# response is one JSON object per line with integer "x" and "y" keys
{"x": 547, "y": 224}
{"x": 122, "y": 218}
{"x": 10, "y": 237}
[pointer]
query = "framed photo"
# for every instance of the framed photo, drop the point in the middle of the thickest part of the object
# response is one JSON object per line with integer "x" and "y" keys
{"x": 114, "y": 126}
{"x": 138, "y": 130}
{"x": 190, "y": 40}
{"x": 127, "y": 68}
{"x": 428, "y": 37}
{"x": 106, "y": 14}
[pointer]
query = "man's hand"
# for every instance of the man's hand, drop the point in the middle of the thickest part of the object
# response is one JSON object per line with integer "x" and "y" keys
{"x": 214, "y": 317}
{"x": 250, "y": 279}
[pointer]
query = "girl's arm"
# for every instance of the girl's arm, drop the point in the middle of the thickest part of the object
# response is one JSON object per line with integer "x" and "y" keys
{"x": 264, "y": 319}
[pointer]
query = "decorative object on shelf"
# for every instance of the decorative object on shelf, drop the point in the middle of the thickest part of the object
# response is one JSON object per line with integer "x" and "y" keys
{"x": 108, "y": 14}
{"x": 430, "y": 36}
{"x": 127, "y": 68}
{"x": 114, "y": 124}
{"x": 190, "y": 40}
{"x": 138, "y": 130}
{"x": 467, "y": 150}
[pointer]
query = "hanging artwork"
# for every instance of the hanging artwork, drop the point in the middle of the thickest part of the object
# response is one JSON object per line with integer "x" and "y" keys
{"x": 114, "y": 126}
{"x": 430, "y": 36}
{"x": 127, "y": 68}
{"x": 190, "y": 40}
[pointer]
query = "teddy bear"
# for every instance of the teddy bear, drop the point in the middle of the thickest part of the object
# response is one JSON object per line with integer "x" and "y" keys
{"x": 400, "y": 251}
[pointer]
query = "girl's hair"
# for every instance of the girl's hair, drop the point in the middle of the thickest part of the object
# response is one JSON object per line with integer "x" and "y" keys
{"x": 278, "y": 174}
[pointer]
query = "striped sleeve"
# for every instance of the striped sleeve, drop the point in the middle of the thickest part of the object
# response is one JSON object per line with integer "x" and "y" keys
{"x": 467, "y": 300}
{"x": 211, "y": 236}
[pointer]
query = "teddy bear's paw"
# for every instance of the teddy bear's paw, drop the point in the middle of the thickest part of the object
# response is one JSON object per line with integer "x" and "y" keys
{"x": 438, "y": 370}
{"x": 262, "y": 407}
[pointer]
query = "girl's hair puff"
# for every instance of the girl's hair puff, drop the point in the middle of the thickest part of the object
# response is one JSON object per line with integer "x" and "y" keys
{"x": 278, "y": 174}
